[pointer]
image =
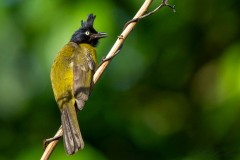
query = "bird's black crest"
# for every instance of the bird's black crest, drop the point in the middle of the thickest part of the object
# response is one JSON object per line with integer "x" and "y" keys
{"x": 89, "y": 22}
{"x": 87, "y": 34}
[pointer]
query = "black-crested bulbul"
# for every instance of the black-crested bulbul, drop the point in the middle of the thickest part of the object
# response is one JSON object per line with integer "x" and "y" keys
{"x": 72, "y": 79}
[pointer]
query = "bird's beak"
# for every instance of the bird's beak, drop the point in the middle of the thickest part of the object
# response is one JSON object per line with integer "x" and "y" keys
{"x": 99, "y": 35}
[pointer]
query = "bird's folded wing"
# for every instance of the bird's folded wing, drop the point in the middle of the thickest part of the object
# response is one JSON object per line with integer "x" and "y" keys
{"x": 83, "y": 69}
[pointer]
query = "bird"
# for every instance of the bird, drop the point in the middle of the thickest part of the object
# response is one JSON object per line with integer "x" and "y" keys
{"x": 72, "y": 80}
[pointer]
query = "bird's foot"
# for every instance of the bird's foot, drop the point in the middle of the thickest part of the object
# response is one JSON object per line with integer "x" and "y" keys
{"x": 49, "y": 140}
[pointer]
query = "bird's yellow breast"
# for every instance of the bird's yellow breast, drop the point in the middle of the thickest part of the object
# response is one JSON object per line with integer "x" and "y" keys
{"x": 62, "y": 71}
{"x": 86, "y": 48}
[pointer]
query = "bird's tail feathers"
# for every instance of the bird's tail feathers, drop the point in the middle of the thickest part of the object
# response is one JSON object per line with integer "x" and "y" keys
{"x": 71, "y": 132}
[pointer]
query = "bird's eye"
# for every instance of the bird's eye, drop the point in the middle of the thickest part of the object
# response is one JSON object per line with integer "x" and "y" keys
{"x": 87, "y": 33}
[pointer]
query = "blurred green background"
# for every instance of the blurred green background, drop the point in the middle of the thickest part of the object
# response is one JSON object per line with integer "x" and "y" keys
{"x": 173, "y": 92}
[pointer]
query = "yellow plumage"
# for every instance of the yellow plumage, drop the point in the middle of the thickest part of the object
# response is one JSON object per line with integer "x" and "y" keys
{"x": 72, "y": 70}
{"x": 72, "y": 79}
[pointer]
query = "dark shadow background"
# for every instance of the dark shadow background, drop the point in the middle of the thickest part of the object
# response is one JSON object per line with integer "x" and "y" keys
{"x": 173, "y": 92}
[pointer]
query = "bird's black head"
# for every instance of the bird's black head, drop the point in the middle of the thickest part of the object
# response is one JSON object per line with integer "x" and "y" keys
{"x": 87, "y": 34}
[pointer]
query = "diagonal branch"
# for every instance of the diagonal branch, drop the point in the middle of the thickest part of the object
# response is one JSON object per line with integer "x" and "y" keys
{"x": 119, "y": 42}
{"x": 50, "y": 147}
{"x": 114, "y": 50}
{"x": 163, "y": 4}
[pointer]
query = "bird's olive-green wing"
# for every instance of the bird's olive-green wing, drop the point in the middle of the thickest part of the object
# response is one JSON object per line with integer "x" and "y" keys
{"x": 83, "y": 70}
